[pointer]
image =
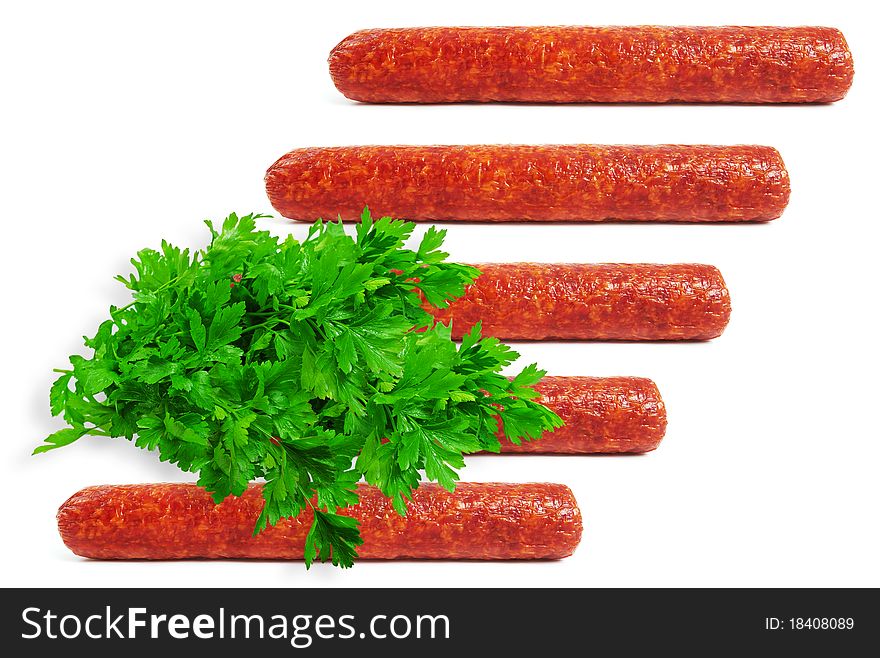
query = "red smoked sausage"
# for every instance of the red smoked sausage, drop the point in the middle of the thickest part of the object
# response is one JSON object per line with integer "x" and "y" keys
{"x": 532, "y": 183}
{"x": 643, "y": 64}
{"x": 178, "y": 521}
{"x": 601, "y": 414}
{"x": 535, "y": 301}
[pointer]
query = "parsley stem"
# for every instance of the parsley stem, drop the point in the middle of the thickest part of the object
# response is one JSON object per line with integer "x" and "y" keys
{"x": 288, "y": 307}
{"x": 318, "y": 329}
{"x": 259, "y": 326}
{"x": 159, "y": 289}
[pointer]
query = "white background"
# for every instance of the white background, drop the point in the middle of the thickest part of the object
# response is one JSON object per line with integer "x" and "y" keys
{"x": 123, "y": 125}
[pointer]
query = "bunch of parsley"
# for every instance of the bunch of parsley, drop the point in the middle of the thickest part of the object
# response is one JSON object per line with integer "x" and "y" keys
{"x": 311, "y": 364}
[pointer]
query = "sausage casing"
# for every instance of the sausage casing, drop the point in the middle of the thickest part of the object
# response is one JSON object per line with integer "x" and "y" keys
{"x": 511, "y": 183}
{"x": 601, "y": 415}
{"x": 643, "y": 64}
{"x": 543, "y": 301}
{"x": 489, "y": 521}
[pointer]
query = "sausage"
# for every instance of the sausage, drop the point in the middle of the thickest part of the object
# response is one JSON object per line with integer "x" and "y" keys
{"x": 508, "y": 183}
{"x": 180, "y": 521}
{"x": 536, "y": 301}
{"x": 602, "y": 415}
{"x": 639, "y": 64}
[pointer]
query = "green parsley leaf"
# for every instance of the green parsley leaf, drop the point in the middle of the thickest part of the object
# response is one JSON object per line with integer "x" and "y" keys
{"x": 62, "y": 437}
{"x": 333, "y": 537}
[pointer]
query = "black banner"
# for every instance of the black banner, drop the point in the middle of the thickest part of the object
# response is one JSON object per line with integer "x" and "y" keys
{"x": 437, "y": 621}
